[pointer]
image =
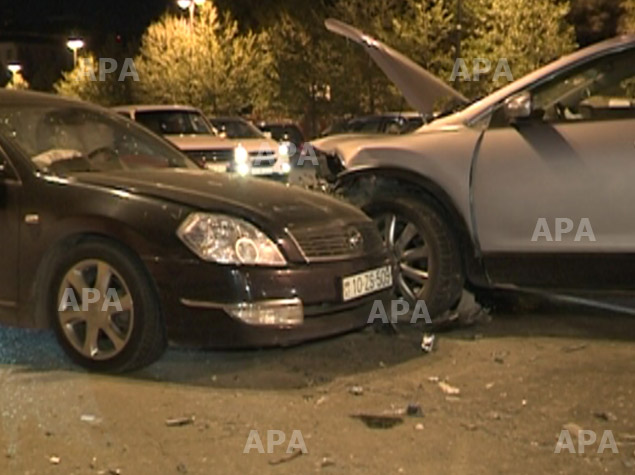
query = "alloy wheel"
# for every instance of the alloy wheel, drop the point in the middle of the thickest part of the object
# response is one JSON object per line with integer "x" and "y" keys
{"x": 95, "y": 309}
{"x": 411, "y": 252}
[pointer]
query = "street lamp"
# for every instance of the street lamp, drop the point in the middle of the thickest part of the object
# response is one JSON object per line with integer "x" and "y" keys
{"x": 75, "y": 44}
{"x": 191, "y": 6}
{"x": 14, "y": 68}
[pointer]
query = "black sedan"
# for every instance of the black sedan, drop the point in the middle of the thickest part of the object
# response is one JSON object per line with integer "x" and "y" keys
{"x": 117, "y": 241}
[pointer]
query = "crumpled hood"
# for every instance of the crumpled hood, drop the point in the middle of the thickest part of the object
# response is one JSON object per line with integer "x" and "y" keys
{"x": 422, "y": 89}
{"x": 348, "y": 146}
{"x": 269, "y": 204}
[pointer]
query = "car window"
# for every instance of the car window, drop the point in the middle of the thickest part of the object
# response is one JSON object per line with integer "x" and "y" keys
{"x": 601, "y": 90}
{"x": 174, "y": 122}
{"x": 237, "y": 129}
{"x": 67, "y": 139}
{"x": 365, "y": 126}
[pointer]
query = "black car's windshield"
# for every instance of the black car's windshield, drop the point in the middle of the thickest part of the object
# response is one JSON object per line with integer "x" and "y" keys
{"x": 237, "y": 129}
{"x": 174, "y": 122}
{"x": 66, "y": 139}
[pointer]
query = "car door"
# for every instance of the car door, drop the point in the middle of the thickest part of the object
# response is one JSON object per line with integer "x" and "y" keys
{"x": 554, "y": 195}
{"x": 9, "y": 237}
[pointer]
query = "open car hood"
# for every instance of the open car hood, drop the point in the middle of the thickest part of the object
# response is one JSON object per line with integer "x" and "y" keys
{"x": 421, "y": 89}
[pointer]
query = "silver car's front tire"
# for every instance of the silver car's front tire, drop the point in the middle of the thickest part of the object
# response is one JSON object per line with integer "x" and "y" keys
{"x": 423, "y": 244}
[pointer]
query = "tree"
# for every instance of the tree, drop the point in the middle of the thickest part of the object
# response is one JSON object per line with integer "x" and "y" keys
{"x": 526, "y": 34}
{"x": 594, "y": 20}
{"x": 93, "y": 81}
{"x": 17, "y": 81}
{"x": 627, "y": 20}
{"x": 208, "y": 64}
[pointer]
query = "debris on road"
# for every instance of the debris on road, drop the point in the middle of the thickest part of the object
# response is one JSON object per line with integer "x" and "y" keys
{"x": 414, "y": 410}
{"x": 181, "y": 468}
{"x": 179, "y": 421}
{"x": 449, "y": 389}
{"x": 427, "y": 343}
{"x": 55, "y": 460}
{"x": 356, "y": 390}
{"x": 573, "y": 348}
{"x": 434, "y": 379}
{"x": 327, "y": 462}
{"x": 287, "y": 458}
{"x": 572, "y": 428}
{"x": 419, "y": 426}
{"x": 375, "y": 421}
{"x": 90, "y": 419}
{"x": 605, "y": 416}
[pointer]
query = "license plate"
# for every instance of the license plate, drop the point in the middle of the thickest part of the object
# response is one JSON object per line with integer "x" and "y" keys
{"x": 358, "y": 285}
{"x": 216, "y": 167}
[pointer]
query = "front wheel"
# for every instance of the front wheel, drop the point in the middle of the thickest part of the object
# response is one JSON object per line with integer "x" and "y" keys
{"x": 104, "y": 309}
{"x": 423, "y": 245}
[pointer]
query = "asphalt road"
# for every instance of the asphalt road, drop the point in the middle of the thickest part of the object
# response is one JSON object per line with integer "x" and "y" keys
{"x": 522, "y": 376}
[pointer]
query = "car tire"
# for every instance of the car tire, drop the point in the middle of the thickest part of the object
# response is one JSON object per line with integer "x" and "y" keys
{"x": 123, "y": 331}
{"x": 441, "y": 290}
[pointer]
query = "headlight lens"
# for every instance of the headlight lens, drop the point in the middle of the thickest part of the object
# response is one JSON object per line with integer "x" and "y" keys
{"x": 227, "y": 240}
{"x": 283, "y": 150}
{"x": 240, "y": 155}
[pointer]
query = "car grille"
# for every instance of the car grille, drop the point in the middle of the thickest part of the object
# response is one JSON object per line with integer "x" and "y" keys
{"x": 211, "y": 156}
{"x": 335, "y": 243}
{"x": 266, "y": 158}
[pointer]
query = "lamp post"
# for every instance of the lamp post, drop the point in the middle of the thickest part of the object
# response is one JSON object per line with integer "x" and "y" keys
{"x": 75, "y": 44}
{"x": 191, "y": 6}
{"x": 14, "y": 68}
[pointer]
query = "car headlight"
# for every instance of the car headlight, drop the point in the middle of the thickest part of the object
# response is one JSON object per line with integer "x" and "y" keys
{"x": 241, "y": 156}
{"x": 283, "y": 150}
{"x": 226, "y": 240}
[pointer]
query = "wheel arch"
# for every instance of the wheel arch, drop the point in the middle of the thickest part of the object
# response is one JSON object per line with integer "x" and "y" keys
{"x": 38, "y": 290}
{"x": 379, "y": 176}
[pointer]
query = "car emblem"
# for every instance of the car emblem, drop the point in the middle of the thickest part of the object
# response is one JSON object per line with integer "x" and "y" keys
{"x": 355, "y": 239}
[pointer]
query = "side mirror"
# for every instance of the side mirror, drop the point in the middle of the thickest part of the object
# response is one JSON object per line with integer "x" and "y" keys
{"x": 519, "y": 106}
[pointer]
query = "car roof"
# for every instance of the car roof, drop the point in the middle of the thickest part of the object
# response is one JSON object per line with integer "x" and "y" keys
{"x": 155, "y": 108}
{"x": 228, "y": 119}
{"x": 10, "y": 96}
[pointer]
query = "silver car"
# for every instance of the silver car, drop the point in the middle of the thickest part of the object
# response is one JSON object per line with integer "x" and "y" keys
{"x": 531, "y": 187}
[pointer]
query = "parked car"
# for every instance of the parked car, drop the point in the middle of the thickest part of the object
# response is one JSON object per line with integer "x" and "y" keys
{"x": 393, "y": 123}
{"x": 529, "y": 187}
{"x": 189, "y": 130}
{"x": 285, "y": 133}
{"x": 119, "y": 242}
{"x": 272, "y": 157}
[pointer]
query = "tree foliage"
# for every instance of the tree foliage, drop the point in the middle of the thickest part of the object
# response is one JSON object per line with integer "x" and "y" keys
{"x": 525, "y": 33}
{"x": 208, "y": 64}
{"x": 87, "y": 82}
{"x": 627, "y": 20}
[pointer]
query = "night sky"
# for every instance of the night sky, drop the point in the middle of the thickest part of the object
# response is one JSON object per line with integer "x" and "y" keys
{"x": 48, "y": 19}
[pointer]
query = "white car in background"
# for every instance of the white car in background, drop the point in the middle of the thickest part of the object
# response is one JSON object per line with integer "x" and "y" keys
{"x": 271, "y": 154}
{"x": 190, "y": 131}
